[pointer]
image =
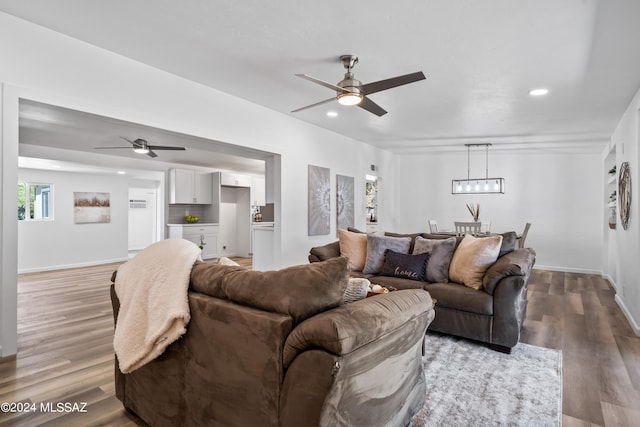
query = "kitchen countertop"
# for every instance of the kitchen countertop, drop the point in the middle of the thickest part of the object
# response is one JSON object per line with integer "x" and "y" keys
{"x": 196, "y": 224}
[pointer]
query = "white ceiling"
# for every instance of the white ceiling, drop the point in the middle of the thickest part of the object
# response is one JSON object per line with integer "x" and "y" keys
{"x": 480, "y": 57}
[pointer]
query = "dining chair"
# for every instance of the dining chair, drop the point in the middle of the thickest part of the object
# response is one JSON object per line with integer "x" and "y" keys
{"x": 485, "y": 227}
{"x": 523, "y": 237}
{"x": 433, "y": 226}
{"x": 463, "y": 228}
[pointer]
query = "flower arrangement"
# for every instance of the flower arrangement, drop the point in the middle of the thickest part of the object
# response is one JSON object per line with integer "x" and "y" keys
{"x": 474, "y": 211}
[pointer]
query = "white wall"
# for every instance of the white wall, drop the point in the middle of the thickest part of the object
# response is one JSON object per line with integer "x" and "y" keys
{"x": 60, "y": 243}
{"x": 626, "y": 253}
{"x": 559, "y": 194}
{"x": 48, "y": 67}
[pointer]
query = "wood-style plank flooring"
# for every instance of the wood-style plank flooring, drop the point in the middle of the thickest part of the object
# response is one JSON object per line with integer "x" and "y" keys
{"x": 65, "y": 332}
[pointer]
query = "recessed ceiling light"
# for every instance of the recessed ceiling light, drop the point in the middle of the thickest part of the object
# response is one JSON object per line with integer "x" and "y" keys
{"x": 332, "y": 114}
{"x": 122, "y": 173}
{"x": 538, "y": 92}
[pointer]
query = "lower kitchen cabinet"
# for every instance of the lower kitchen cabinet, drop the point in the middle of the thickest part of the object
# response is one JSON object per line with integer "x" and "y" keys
{"x": 205, "y": 234}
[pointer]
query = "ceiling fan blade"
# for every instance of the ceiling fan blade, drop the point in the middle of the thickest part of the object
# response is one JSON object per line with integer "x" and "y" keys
{"x": 135, "y": 144}
{"x": 315, "y": 105}
{"x": 320, "y": 82}
{"x": 152, "y": 154}
{"x": 372, "y": 107}
{"x": 381, "y": 85}
{"x": 161, "y": 147}
{"x": 110, "y": 148}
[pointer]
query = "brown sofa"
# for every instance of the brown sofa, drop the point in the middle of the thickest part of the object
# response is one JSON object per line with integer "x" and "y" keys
{"x": 493, "y": 315}
{"x": 280, "y": 348}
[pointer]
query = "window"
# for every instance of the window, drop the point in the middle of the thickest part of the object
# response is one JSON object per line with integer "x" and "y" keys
{"x": 35, "y": 201}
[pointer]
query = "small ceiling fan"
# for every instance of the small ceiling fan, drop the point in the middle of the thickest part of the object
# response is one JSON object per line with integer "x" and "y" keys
{"x": 141, "y": 146}
{"x": 350, "y": 91}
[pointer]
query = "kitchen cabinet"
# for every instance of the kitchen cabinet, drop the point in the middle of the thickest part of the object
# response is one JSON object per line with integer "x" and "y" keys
{"x": 235, "y": 179}
{"x": 198, "y": 233}
{"x": 190, "y": 187}
{"x": 258, "y": 193}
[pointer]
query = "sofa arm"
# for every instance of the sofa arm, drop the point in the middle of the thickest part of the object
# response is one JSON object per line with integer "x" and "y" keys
{"x": 348, "y": 327}
{"x": 515, "y": 263}
{"x": 325, "y": 252}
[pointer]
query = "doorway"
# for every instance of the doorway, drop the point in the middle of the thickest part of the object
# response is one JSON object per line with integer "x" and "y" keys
{"x": 143, "y": 218}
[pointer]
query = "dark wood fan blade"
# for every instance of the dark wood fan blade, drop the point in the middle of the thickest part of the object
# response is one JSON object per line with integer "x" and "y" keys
{"x": 372, "y": 107}
{"x": 152, "y": 154}
{"x": 160, "y": 147}
{"x": 381, "y": 85}
{"x": 320, "y": 82}
{"x": 110, "y": 148}
{"x": 135, "y": 144}
{"x": 314, "y": 105}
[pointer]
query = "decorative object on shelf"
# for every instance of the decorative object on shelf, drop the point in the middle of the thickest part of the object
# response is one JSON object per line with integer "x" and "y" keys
{"x": 484, "y": 185}
{"x": 191, "y": 219}
{"x": 612, "y": 171}
{"x": 202, "y": 242}
{"x": 613, "y": 197}
{"x": 612, "y": 217}
{"x": 624, "y": 188}
{"x": 319, "y": 202}
{"x": 474, "y": 211}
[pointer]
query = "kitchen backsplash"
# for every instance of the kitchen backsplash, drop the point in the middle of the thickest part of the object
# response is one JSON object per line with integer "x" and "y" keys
{"x": 178, "y": 212}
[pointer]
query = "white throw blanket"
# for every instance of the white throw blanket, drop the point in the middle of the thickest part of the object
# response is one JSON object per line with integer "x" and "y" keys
{"x": 154, "y": 309}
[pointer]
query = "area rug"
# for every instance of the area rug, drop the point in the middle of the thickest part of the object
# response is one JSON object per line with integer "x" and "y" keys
{"x": 469, "y": 384}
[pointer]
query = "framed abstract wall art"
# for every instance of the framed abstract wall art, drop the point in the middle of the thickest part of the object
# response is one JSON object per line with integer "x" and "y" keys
{"x": 319, "y": 201}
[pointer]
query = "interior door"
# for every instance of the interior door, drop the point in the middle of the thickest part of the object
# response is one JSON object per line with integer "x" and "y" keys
{"x": 142, "y": 218}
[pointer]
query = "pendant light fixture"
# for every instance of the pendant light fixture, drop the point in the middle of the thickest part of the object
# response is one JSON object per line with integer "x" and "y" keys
{"x": 484, "y": 185}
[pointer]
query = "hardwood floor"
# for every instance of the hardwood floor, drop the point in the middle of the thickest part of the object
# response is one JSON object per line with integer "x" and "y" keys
{"x": 65, "y": 332}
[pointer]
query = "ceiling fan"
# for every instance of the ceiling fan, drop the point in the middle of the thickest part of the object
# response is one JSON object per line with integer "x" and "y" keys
{"x": 141, "y": 146}
{"x": 350, "y": 91}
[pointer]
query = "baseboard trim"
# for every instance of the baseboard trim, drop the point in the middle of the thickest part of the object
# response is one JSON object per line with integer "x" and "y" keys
{"x": 632, "y": 322}
{"x": 566, "y": 269}
{"x": 66, "y": 266}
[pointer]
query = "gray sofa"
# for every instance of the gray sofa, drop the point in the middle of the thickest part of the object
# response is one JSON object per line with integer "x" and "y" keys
{"x": 281, "y": 348}
{"x": 493, "y": 314}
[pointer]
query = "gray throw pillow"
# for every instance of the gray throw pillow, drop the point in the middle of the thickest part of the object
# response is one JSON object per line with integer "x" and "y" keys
{"x": 440, "y": 253}
{"x": 376, "y": 245}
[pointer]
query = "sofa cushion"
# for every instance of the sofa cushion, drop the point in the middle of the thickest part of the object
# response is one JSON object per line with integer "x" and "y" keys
{"x": 472, "y": 258}
{"x": 376, "y": 245}
{"x": 404, "y": 265}
{"x": 325, "y": 252}
{"x": 354, "y": 247}
{"x": 300, "y": 291}
{"x": 459, "y": 297}
{"x": 440, "y": 253}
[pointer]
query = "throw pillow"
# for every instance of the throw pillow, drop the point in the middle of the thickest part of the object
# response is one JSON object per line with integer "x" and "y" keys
{"x": 356, "y": 290}
{"x": 508, "y": 243}
{"x": 440, "y": 252}
{"x": 404, "y": 265}
{"x": 473, "y": 258}
{"x": 354, "y": 247}
{"x": 376, "y": 245}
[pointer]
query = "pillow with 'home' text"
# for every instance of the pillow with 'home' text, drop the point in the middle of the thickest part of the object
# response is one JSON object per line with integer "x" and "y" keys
{"x": 404, "y": 265}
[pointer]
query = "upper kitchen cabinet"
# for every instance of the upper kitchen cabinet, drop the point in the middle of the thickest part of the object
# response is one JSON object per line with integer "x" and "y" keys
{"x": 190, "y": 187}
{"x": 258, "y": 193}
{"x": 235, "y": 179}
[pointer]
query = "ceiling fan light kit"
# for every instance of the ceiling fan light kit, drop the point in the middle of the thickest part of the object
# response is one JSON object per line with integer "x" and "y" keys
{"x": 484, "y": 185}
{"x": 350, "y": 91}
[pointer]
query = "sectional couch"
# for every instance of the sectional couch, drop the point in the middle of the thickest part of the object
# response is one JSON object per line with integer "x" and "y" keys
{"x": 479, "y": 283}
{"x": 282, "y": 348}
